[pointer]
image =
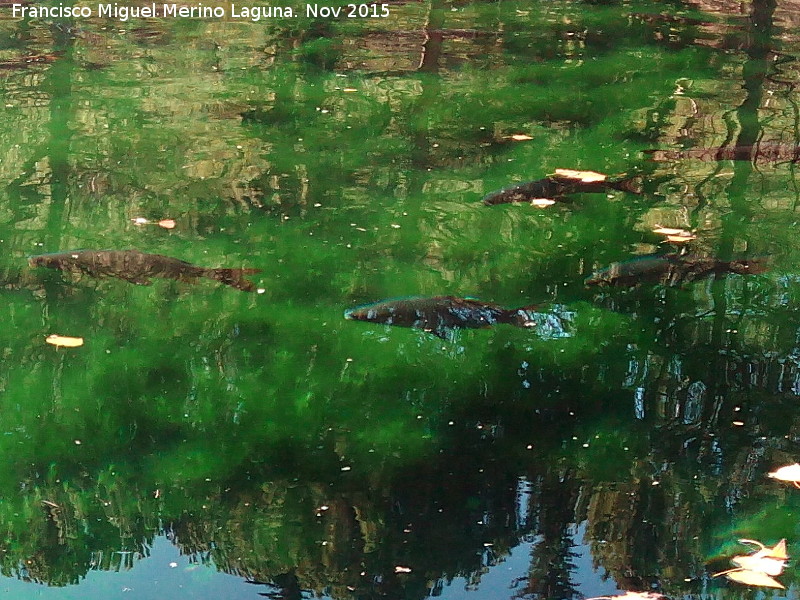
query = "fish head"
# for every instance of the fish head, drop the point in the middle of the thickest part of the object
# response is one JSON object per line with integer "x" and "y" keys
{"x": 371, "y": 313}
{"x": 405, "y": 312}
{"x": 56, "y": 260}
{"x": 600, "y": 278}
{"x": 43, "y": 260}
{"x": 613, "y": 274}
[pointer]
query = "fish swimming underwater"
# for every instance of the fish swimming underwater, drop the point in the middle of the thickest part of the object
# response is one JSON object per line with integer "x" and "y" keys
{"x": 440, "y": 314}
{"x": 138, "y": 267}
{"x": 671, "y": 269}
{"x": 557, "y": 186}
{"x": 758, "y": 153}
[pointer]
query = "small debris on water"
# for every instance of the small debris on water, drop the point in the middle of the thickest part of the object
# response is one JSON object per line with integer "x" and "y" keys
{"x": 165, "y": 223}
{"x": 63, "y": 341}
{"x": 660, "y": 229}
{"x": 680, "y": 239}
{"x": 790, "y": 473}
{"x": 583, "y": 176}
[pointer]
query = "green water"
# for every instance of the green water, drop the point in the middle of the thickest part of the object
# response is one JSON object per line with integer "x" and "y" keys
{"x": 203, "y": 436}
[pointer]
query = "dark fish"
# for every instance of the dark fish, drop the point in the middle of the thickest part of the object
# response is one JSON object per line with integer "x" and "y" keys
{"x": 440, "y": 314}
{"x": 138, "y": 267}
{"x": 662, "y": 18}
{"x": 758, "y": 153}
{"x": 26, "y": 61}
{"x": 671, "y": 269}
{"x": 554, "y": 187}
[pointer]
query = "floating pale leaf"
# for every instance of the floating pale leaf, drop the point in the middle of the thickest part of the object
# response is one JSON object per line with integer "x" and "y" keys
{"x": 754, "y": 578}
{"x": 778, "y": 551}
{"x": 660, "y": 229}
{"x": 681, "y": 239}
{"x": 760, "y": 564}
{"x": 584, "y": 176}
{"x": 631, "y": 596}
{"x": 674, "y": 234}
{"x": 788, "y": 473}
{"x": 165, "y": 223}
{"x": 521, "y": 137}
{"x": 63, "y": 341}
{"x": 543, "y": 202}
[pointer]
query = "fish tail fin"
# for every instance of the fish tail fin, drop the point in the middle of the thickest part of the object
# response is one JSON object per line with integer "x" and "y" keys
{"x": 632, "y": 185}
{"x": 524, "y": 316}
{"x": 745, "y": 266}
{"x": 234, "y": 278}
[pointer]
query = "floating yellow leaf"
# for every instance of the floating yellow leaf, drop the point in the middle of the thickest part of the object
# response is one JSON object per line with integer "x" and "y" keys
{"x": 165, "y": 223}
{"x": 788, "y": 473}
{"x": 583, "y": 176}
{"x": 752, "y": 578}
{"x": 674, "y": 234}
{"x": 543, "y": 202}
{"x": 631, "y": 596}
{"x": 757, "y": 568}
{"x": 778, "y": 551}
{"x": 521, "y": 137}
{"x": 660, "y": 229}
{"x": 681, "y": 239}
{"x": 760, "y": 564}
{"x": 62, "y": 341}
